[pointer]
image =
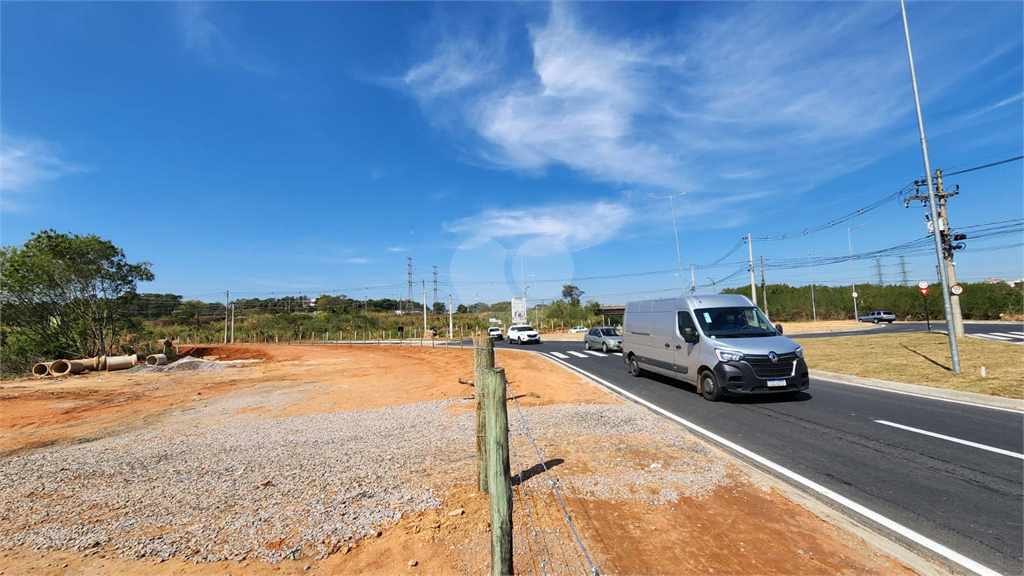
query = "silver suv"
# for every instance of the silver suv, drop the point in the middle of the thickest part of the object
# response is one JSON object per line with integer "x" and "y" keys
{"x": 878, "y": 316}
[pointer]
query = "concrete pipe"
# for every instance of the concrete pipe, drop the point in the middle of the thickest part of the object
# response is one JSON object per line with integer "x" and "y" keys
{"x": 90, "y": 363}
{"x": 60, "y": 367}
{"x": 121, "y": 362}
{"x": 78, "y": 366}
{"x": 156, "y": 360}
{"x": 41, "y": 369}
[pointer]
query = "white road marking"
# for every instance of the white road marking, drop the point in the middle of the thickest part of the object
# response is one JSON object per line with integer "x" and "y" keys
{"x": 560, "y": 355}
{"x": 577, "y": 354}
{"x": 596, "y": 353}
{"x": 617, "y": 353}
{"x": 951, "y": 439}
{"x": 905, "y": 393}
{"x": 1016, "y": 333}
{"x": 920, "y": 539}
{"x": 996, "y": 338}
{"x": 1007, "y": 334}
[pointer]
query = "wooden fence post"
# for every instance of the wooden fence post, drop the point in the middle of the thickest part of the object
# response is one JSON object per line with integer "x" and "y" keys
{"x": 499, "y": 479}
{"x": 483, "y": 359}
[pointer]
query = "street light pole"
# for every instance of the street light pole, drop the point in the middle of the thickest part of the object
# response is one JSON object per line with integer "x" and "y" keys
{"x": 954, "y": 350}
{"x": 853, "y": 282}
{"x": 679, "y": 257}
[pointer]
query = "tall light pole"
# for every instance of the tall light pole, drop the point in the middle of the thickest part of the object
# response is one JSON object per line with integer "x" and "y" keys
{"x": 810, "y": 261}
{"x": 679, "y": 257}
{"x": 954, "y": 351}
{"x": 853, "y": 282}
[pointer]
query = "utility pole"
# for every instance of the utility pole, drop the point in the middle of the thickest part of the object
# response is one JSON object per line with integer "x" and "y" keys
{"x": 451, "y": 333}
{"x": 764, "y": 290}
{"x": 904, "y": 279}
{"x": 435, "y": 284}
{"x": 409, "y": 258}
{"x": 693, "y": 281}
{"x": 951, "y": 328}
{"x": 753, "y": 283}
{"x": 948, "y": 245}
{"x": 878, "y": 271}
{"x": 714, "y": 287}
{"x": 853, "y": 280}
{"x": 227, "y": 294}
{"x": 814, "y": 309}
{"x": 424, "y": 307}
{"x": 232, "y": 322}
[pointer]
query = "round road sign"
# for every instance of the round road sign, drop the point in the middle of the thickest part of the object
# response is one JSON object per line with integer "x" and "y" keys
{"x": 854, "y": 294}
{"x": 924, "y": 291}
{"x": 922, "y": 285}
{"x": 956, "y": 289}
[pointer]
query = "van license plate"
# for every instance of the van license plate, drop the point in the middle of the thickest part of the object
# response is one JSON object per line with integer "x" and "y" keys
{"x": 773, "y": 383}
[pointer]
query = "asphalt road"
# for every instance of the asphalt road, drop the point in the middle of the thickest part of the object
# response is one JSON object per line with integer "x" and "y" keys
{"x": 965, "y": 497}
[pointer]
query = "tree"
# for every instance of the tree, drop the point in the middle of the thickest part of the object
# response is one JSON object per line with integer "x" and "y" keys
{"x": 571, "y": 294}
{"x": 461, "y": 309}
{"x": 68, "y": 294}
{"x": 439, "y": 308}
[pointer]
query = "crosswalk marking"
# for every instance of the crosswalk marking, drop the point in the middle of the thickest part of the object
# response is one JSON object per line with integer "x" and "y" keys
{"x": 993, "y": 337}
{"x": 560, "y": 355}
{"x": 577, "y": 354}
{"x": 1007, "y": 334}
{"x": 1016, "y": 333}
{"x": 596, "y": 353}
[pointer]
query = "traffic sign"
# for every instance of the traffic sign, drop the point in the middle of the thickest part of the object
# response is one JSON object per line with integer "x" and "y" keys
{"x": 854, "y": 294}
{"x": 922, "y": 285}
{"x": 924, "y": 291}
{"x": 956, "y": 289}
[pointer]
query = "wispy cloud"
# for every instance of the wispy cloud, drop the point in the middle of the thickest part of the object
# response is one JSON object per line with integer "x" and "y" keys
{"x": 212, "y": 45}
{"x": 571, "y": 224}
{"x": 26, "y": 163}
{"x": 396, "y": 249}
{"x": 757, "y": 91}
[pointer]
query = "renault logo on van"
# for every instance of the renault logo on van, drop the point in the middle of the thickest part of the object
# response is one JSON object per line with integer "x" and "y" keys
{"x": 773, "y": 357}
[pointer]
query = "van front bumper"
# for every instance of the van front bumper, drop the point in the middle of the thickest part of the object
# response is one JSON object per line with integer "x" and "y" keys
{"x": 738, "y": 379}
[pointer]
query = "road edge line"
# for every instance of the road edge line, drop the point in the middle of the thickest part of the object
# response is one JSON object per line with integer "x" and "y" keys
{"x": 955, "y": 396}
{"x": 919, "y": 539}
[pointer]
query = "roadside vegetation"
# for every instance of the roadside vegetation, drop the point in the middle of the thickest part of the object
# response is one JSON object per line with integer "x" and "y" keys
{"x": 922, "y": 358}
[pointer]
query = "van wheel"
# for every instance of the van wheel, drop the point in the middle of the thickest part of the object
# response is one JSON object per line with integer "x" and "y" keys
{"x": 604, "y": 347}
{"x": 709, "y": 386}
{"x": 634, "y": 368}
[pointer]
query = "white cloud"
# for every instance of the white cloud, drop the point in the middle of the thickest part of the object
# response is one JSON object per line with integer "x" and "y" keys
{"x": 577, "y": 225}
{"x": 764, "y": 89}
{"x": 396, "y": 249}
{"x": 207, "y": 40}
{"x": 27, "y": 162}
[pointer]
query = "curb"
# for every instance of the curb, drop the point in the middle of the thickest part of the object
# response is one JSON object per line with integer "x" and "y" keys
{"x": 955, "y": 395}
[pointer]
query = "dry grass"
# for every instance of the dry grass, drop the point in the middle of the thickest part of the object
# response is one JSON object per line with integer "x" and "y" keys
{"x": 790, "y": 328}
{"x": 922, "y": 358}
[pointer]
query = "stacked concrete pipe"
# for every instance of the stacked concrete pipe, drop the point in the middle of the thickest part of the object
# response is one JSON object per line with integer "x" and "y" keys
{"x": 41, "y": 369}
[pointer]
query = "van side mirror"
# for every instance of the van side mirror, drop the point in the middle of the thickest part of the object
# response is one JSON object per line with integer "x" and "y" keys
{"x": 778, "y": 328}
{"x": 690, "y": 335}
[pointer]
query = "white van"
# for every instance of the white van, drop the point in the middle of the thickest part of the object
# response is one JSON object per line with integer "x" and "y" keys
{"x": 723, "y": 344}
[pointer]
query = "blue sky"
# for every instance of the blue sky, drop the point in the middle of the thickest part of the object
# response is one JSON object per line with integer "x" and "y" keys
{"x": 287, "y": 148}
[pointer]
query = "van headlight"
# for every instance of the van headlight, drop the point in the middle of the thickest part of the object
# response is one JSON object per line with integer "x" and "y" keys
{"x": 728, "y": 355}
{"x": 799, "y": 351}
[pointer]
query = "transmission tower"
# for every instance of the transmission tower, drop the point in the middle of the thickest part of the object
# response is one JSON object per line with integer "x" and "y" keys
{"x": 878, "y": 271}
{"x": 903, "y": 272}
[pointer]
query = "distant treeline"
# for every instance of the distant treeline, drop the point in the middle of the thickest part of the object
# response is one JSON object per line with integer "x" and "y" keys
{"x": 981, "y": 301}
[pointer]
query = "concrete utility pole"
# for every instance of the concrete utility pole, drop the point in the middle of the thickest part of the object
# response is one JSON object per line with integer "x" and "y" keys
{"x": 714, "y": 287}
{"x": 409, "y": 258}
{"x": 232, "y": 322}
{"x": 693, "y": 281}
{"x": 814, "y": 309}
{"x": 424, "y": 307}
{"x": 947, "y": 242}
{"x": 227, "y": 294}
{"x": 451, "y": 332}
{"x": 753, "y": 283}
{"x": 853, "y": 280}
{"x": 764, "y": 290}
{"x": 679, "y": 257}
{"x": 951, "y": 330}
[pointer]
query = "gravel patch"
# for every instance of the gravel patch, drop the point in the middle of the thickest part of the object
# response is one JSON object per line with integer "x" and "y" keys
{"x": 308, "y": 484}
{"x": 182, "y": 364}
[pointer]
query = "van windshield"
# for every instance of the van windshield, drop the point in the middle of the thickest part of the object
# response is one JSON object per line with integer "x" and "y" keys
{"x": 734, "y": 322}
